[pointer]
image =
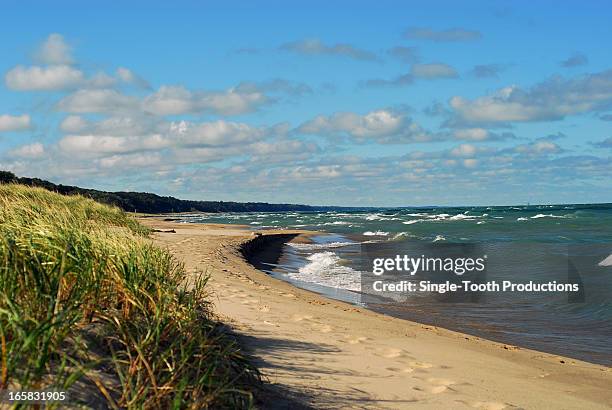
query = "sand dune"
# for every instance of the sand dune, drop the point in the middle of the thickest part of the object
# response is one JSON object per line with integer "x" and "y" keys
{"x": 322, "y": 353}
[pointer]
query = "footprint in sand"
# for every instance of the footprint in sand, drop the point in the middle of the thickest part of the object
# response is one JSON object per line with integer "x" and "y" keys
{"x": 264, "y": 308}
{"x": 488, "y": 405}
{"x": 436, "y": 385}
{"x": 357, "y": 340}
{"x": 322, "y": 328}
{"x": 397, "y": 370}
{"x": 299, "y": 318}
{"x": 390, "y": 353}
{"x": 421, "y": 365}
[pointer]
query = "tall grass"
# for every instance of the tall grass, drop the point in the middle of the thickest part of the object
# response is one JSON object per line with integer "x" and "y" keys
{"x": 88, "y": 304}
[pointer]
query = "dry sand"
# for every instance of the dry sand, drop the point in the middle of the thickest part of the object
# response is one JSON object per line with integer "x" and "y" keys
{"x": 321, "y": 353}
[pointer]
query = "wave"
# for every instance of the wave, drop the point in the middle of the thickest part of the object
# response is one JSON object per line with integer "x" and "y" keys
{"x": 538, "y": 216}
{"x": 412, "y": 221}
{"x": 325, "y": 268}
{"x": 606, "y": 262}
{"x": 401, "y": 235}
{"x": 460, "y": 217}
{"x": 376, "y": 233}
{"x": 379, "y": 217}
{"x": 312, "y": 246}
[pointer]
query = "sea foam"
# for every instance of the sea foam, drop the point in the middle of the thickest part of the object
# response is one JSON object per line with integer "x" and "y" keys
{"x": 324, "y": 268}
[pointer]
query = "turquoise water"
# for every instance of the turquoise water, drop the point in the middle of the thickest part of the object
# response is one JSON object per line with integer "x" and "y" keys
{"x": 523, "y": 239}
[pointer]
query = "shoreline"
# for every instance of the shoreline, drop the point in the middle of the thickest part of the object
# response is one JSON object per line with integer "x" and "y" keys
{"x": 327, "y": 353}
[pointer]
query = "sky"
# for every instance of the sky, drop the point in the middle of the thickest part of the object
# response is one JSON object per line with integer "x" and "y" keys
{"x": 361, "y": 103}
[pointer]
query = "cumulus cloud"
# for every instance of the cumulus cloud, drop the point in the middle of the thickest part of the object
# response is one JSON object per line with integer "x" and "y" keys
{"x": 481, "y": 134}
{"x": 575, "y": 60}
{"x": 73, "y": 123}
{"x": 382, "y": 126}
{"x": 65, "y": 77}
{"x": 54, "y": 51}
{"x": 128, "y": 76}
{"x": 217, "y": 133}
{"x": 551, "y": 100}
{"x": 124, "y": 135}
{"x": 15, "y": 122}
{"x": 449, "y": 35}
{"x": 98, "y": 101}
{"x": 541, "y": 147}
{"x": 37, "y": 78}
{"x": 317, "y": 47}
{"x": 174, "y": 100}
{"x": 100, "y": 145}
{"x": 30, "y": 151}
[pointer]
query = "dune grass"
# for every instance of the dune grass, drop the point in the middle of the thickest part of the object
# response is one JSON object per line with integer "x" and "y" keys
{"x": 88, "y": 304}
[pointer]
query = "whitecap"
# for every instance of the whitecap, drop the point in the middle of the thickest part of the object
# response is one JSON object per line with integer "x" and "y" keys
{"x": 325, "y": 268}
{"x": 412, "y": 221}
{"x": 376, "y": 233}
{"x": 439, "y": 238}
{"x": 538, "y": 216}
{"x": 311, "y": 246}
{"x": 606, "y": 262}
{"x": 460, "y": 217}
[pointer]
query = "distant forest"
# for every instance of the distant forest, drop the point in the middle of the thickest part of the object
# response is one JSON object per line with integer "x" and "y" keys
{"x": 145, "y": 202}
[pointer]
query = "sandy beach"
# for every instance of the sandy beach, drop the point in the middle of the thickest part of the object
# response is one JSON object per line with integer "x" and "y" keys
{"x": 322, "y": 353}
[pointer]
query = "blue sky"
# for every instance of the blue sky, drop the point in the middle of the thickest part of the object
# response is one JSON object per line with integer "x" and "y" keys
{"x": 361, "y": 103}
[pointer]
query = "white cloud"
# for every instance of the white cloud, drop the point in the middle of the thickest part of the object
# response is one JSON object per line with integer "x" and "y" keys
{"x": 95, "y": 145}
{"x": 36, "y": 78}
{"x": 73, "y": 123}
{"x": 14, "y": 122}
{"x": 124, "y": 135}
{"x": 383, "y": 126}
{"x": 31, "y": 151}
{"x": 474, "y": 134}
{"x": 481, "y": 134}
{"x": 128, "y": 76}
{"x": 175, "y": 100}
{"x": 538, "y": 148}
{"x": 464, "y": 150}
{"x": 98, "y": 101}
{"x": 216, "y": 133}
{"x": 129, "y": 161}
{"x": 550, "y": 100}
{"x": 54, "y": 51}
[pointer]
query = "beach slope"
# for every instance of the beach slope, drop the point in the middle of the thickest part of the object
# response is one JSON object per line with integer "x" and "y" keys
{"x": 321, "y": 353}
